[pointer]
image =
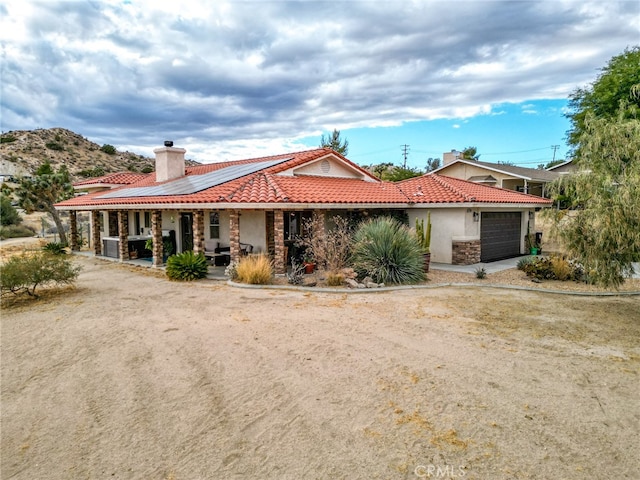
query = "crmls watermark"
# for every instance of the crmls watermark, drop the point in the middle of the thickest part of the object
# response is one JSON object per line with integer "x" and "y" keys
{"x": 436, "y": 471}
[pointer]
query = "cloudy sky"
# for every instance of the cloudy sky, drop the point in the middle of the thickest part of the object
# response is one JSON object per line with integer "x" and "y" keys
{"x": 237, "y": 79}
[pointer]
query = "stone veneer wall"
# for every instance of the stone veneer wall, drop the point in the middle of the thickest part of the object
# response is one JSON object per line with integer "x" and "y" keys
{"x": 73, "y": 230}
{"x": 95, "y": 231}
{"x": 198, "y": 232}
{"x": 123, "y": 228}
{"x": 156, "y": 233}
{"x": 465, "y": 252}
{"x": 234, "y": 235}
{"x": 280, "y": 265}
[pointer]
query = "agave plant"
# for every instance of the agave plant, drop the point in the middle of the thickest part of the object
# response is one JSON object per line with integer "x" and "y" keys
{"x": 187, "y": 266}
{"x": 388, "y": 252}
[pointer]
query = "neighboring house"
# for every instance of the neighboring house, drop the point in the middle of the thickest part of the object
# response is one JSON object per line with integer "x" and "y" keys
{"x": 563, "y": 168}
{"x": 521, "y": 179}
{"x": 263, "y": 202}
{"x": 107, "y": 182}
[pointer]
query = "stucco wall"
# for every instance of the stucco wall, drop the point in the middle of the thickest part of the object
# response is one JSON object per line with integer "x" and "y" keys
{"x": 253, "y": 229}
{"x": 446, "y": 223}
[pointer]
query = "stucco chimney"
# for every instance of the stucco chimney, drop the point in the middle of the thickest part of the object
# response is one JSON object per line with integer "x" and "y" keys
{"x": 169, "y": 162}
{"x": 448, "y": 157}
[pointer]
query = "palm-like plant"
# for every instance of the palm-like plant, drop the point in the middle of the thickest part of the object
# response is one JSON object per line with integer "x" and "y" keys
{"x": 387, "y": 251}
{"x": 187, "y": 266}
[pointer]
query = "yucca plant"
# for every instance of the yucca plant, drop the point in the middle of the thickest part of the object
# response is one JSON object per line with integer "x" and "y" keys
{"x": 388, "y": 252}
{"x": 255, "y": 270}
{"x": 55, "y": 248}
{"x": 187, "y": 266}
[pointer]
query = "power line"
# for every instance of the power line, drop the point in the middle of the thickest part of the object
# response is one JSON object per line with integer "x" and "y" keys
{"x": 554, "y": 147}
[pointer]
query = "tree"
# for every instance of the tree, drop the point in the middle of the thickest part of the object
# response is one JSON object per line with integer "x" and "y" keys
{"x": 40, "y": 192}
{"x": 470, "y": 153}
{"x": 8, "y": 214}
{"x": 602, "y": 97}
{"x": 602, "y": 227}
{"x": 432, "y": 164}
{"x": 401, "y": 173}
{"x": 333, "y": 141}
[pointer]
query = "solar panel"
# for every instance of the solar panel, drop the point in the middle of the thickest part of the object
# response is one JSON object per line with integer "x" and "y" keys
{"x": 195, "y": 183}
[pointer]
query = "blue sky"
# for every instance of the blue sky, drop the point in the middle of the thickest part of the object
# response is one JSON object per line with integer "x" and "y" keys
{"x": 239, "y": 79}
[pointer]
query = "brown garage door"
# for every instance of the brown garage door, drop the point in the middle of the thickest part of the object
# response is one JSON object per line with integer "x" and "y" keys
{"x": 499, "y": 235}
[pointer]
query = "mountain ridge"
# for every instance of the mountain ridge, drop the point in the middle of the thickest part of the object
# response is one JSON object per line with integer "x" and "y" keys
{"x": 23, "y": 151}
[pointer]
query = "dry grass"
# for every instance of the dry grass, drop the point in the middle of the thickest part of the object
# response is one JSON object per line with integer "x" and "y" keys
{"x": 255, "y": 270}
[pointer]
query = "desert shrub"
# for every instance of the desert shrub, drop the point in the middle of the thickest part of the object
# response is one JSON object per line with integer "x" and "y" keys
{"x": 25, "y": 273}
{"x": 7, "y": 139}
{"x": 555, "y": 267}
{"x": 231, "y": 270}
{"x": 388, "y": 252}
{"x": 523, "y": 262}
{"x": 16, "y": 231}
{"x": 8, "y": 213}
{"x": 108, "y": 149}
{"x": 187, "y": 266}
{"x": 55, "y": 248}
{"x": 481, "y": 273}
{"x": 329, "y": 248}
{"x": 255, "y": 270}
{"x": 147, "y": 169}
{"x": 560, "y": 267}
{"x": 335, "y": 279}
{"x": 54, "y": 146}
{"x": 296, "y": 275}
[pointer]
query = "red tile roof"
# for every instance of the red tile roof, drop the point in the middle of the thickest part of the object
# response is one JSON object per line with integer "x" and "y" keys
{"x": 434, "y": 188}
{"x": 268, "y": 186}
{"x": 120, "y": 178}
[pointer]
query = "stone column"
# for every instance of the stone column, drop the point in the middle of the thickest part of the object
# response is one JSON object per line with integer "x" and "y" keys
{"x": 156, "y": 234}
{"x": 234, "y": 235}
{"x": 280, "y": 261}
{"x": 198, "y": 232}
{"x": 73, "y": 231}
{"x": 123, "y": 229}
{"x": 95, "y": 232}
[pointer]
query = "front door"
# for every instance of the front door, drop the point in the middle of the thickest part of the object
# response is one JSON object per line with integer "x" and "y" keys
{"x": 186, "y": 231}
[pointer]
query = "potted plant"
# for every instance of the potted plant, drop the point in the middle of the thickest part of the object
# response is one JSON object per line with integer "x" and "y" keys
{"x": 309, "y": 263}
{"x": 424, "y": 238}
{"x": 530, "y": 242}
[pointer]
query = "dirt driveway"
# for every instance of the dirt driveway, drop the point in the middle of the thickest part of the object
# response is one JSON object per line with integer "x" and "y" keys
{"x": 133, "y": 376}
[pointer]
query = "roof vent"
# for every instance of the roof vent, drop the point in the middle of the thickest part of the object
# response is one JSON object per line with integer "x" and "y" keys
{"x": 168, "y": 143}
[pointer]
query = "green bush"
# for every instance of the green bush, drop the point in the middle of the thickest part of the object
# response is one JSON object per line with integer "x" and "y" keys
{"x": 55, "y": 248}
{"x": 187, "y": 266}
{"x": 109, "y": 149}
{"x": 388, "y": 252}
{"x": 8, "y": 213}
{"x": 25, "y": 273}
{"x": 16, "y": 231}
{"x": 255, "y": 270}
{"x": 7, "y": 139}
{"x": 54, "y": 146}
{"x": 523, "y": 262}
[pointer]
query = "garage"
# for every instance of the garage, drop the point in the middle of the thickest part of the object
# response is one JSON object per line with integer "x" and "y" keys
{"x": 499, "y": 235}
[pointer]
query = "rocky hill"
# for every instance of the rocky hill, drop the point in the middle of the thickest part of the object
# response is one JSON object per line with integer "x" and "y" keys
{"x": 23, "y": 151}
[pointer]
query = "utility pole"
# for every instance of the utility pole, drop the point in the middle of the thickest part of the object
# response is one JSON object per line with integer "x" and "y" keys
{"x": 405, "y": 154}
{"x": 554, "y": 147}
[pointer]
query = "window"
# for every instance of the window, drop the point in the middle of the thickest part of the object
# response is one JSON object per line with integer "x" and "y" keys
{"x": 147, "y": 219}
{"x": 214, "y": 225}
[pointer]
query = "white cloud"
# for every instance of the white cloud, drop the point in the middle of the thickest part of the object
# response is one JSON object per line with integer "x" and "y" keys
{"x": 228, "y": 78}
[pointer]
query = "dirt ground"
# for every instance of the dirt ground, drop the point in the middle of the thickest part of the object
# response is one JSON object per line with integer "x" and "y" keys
{"x": 132, "y": 376}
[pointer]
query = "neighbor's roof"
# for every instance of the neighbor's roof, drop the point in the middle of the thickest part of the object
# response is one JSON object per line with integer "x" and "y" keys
{"x": 534, "y": 174}
{"x": 434, "y": 188}
{"x": 120, "y": 178}
{"x": 269, "y": 186}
